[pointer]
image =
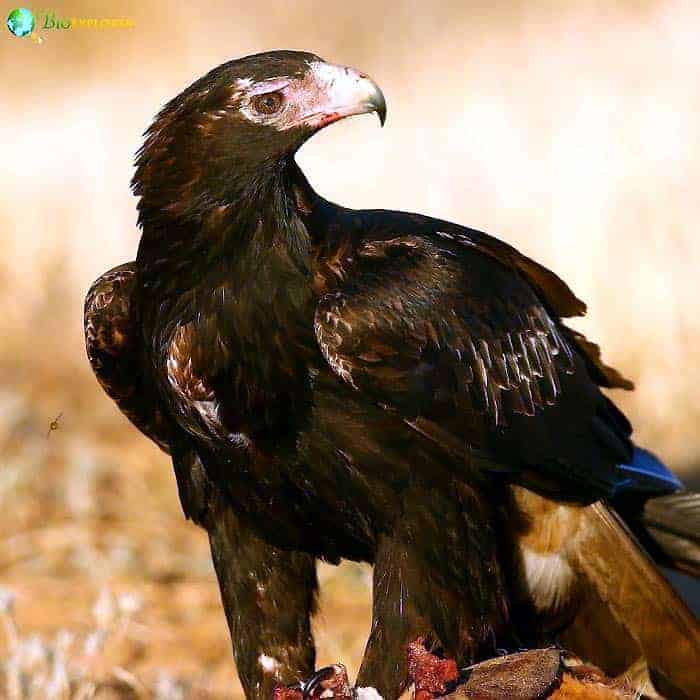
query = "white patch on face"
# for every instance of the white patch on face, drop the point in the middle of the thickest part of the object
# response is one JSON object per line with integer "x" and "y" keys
{"x": 325, "y": 93}
{"x": 367, "y": 694}
{"x": 268, "y": 663}
{"x": 239, "y": 88}
{"x": 548, "y": 577}
{"x": 268, "y": 85}
{"x": 242, "y": 84}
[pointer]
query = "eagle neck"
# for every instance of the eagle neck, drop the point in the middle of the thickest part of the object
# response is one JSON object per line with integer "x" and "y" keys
{"x": 251, "y": 236}
{"x": 265, "y": 220}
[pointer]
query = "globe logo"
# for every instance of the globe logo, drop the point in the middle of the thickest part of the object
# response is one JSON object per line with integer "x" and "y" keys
{"x": 20, "y": 22}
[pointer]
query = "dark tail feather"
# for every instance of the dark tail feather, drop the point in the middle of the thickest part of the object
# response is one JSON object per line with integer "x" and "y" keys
{"x": 673, "y": 524}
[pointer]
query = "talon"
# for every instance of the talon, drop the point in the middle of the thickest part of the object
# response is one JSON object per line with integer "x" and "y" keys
{"x": 327, "y": 682}
{"x": 316, "y": 679}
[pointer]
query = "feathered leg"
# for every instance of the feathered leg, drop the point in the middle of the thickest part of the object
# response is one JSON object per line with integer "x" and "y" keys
{"x": 435, "y": 576}
{"x": 269, "y": 596}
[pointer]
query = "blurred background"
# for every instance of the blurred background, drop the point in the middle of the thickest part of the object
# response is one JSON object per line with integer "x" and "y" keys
{"x": 571, "y": 130}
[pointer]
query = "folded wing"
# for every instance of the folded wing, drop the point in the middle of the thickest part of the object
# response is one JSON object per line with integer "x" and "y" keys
{"x": 464, "y": 341}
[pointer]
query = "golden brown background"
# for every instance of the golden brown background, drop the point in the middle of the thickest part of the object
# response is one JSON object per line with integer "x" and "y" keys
{"x": 570, "y": 129}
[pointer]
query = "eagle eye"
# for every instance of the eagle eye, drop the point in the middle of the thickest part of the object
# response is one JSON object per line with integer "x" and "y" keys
{"x": 269, "y": 103}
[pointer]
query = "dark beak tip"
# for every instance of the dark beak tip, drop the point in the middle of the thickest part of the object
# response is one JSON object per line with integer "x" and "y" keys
{"x": 379, "y": 105}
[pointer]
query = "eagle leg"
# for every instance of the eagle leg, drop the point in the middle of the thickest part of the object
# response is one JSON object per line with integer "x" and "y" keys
{"x": 435, "y": 579}
{"x": 269, "y": 596}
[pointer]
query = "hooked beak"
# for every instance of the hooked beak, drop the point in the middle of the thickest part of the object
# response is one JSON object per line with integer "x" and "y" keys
{"x": 343, "y": 92}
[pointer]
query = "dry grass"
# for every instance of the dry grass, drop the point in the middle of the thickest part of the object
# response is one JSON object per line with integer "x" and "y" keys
{"x": 571, "y": 131}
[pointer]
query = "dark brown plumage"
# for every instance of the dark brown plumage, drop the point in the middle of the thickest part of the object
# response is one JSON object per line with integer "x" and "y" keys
{"x": 368, "y": 385}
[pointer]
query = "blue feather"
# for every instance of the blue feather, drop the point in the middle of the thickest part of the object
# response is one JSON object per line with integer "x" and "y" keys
{"x": 646, "y": 474}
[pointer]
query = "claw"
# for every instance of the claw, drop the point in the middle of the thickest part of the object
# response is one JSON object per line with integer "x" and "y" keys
{"x": 323, "y": 674}
{"x": 327, "y": 682}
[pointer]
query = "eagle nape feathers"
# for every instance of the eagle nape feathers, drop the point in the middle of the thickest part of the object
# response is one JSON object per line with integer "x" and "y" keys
{"x": 383, "y": 387}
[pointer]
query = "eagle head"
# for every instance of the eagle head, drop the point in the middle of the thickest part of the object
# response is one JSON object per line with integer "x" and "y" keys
{"x": 228, "y": 134}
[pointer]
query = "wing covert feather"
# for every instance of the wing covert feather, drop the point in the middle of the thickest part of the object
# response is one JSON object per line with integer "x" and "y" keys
{"x": 452, "y": 337}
